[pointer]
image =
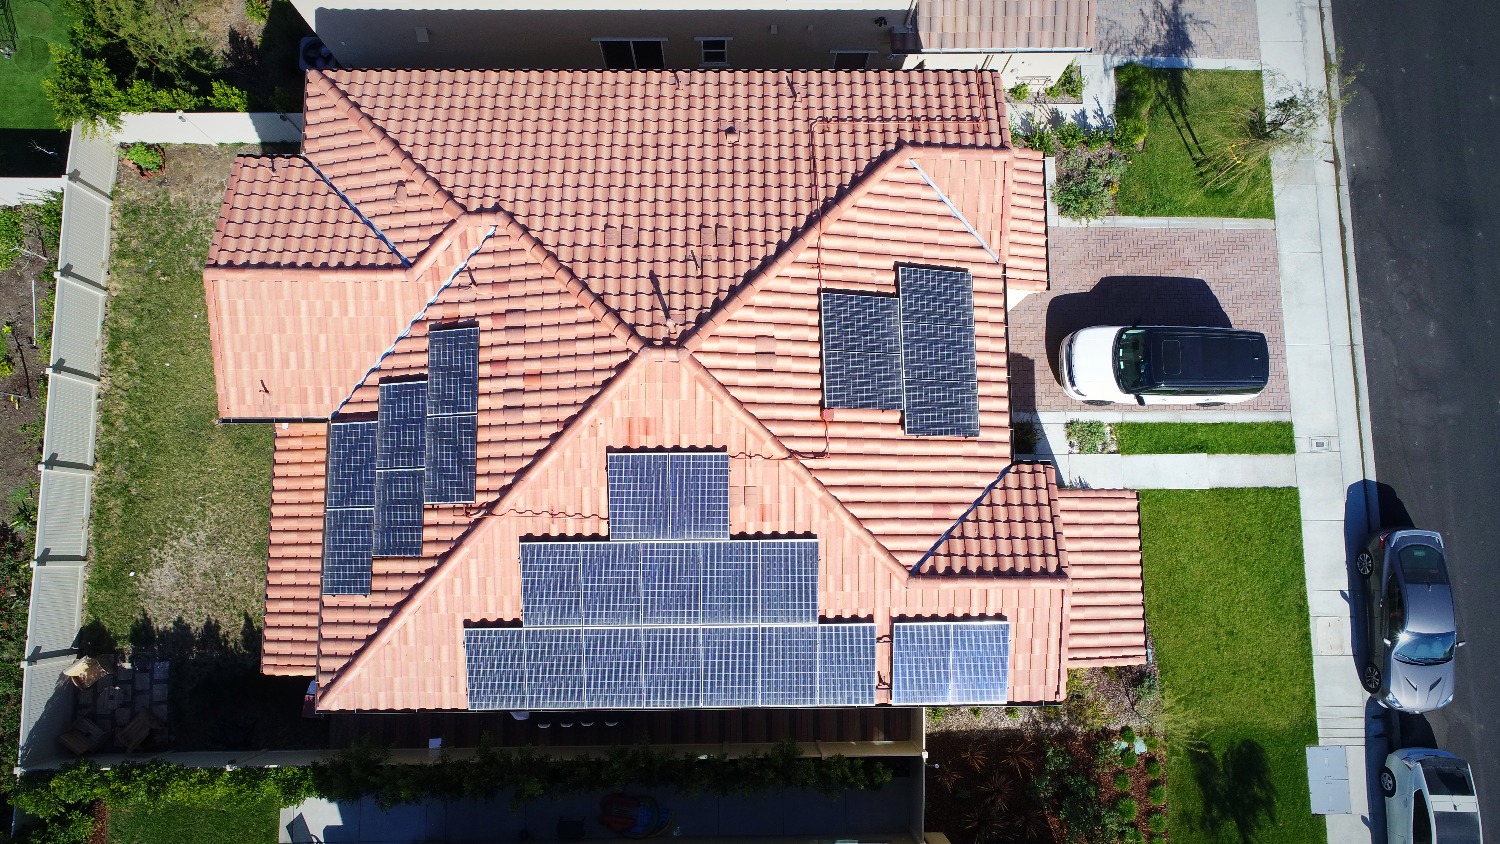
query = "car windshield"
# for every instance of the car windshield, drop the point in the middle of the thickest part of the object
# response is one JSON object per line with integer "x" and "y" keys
{"x": 1130, "y": 360}
{"x": 1423, "y": 564}
{"x": 1448, "y": 778}
{"x": 1425, "y": 648}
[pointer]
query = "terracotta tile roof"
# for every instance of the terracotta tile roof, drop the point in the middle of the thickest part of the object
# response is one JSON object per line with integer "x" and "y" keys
{"x": 294, "y": 571}
{"x": 640, "y": 277}
{"x": 1012, "y": 529}
{"x": 1102, "y": 532}
{"x": 985, "y": 25}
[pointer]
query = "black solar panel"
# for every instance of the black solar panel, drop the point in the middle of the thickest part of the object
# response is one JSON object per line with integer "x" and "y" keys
{"x": 609, "y": 583}
{"x": 403, "y": 422}
{"x": 699, "y": 490}
{"x": 940, "y": 372}
{"x": 453, "y": 371}
{"x": 671, "y": 583}
{"x": 731, "y": 582}
{"x": 671, "y": 672}
{"x": 668, "y": 496}
{"x": 554, "y": 668}
{"x": 398, "y": 513}
{"x": 550, "y": 584}
{"x": 846, "y": 665}
{"x": 348, "y": 514}
{"x": 861, "y": 351}
{"x": 495, "y": 660}
{"x": 347, "y": 536}
{"x": 612, "y": 668}
{"x": 452, "y": 429}
{"x": 351, "y": 464}
{"x": 731, "y": 666}
{"x": 961, "y": 662}
{"x": 789, "y": 666}
{"x": 788, "y": 581}
{"x": 450, "y": 459}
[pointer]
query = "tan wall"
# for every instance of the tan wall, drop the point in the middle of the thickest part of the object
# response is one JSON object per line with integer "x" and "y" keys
{"x": 563, "y": 39}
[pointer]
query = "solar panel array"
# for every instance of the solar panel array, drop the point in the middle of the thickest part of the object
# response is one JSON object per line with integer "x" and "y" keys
{"x": 675, "y": 495}
{"x": 670, "y": 667}
{"x": 452, "y": 414}
{"x": 398, "y": 476}
{"x": 954, "y": 662}
{"x": 940, "y": 372}
{"x": 914, "y": 352}
{"x": 350, "y": 508}
{"x": 861, "y": 351}
{"x": 619, "y": 584}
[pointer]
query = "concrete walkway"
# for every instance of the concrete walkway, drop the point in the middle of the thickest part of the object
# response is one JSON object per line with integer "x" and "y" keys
{"x": 1176, "y": 471}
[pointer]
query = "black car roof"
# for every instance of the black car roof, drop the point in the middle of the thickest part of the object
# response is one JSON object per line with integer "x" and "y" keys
{"x": 1207, "y": 357}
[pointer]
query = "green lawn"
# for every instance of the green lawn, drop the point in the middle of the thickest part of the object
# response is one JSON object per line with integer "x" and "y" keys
{"x": 1227, "y": 606}
{"x": 1193, "y": 111}
{"x": 184, "y": 823}
{"x": 181, "y": 501}
{"x": 1205, "y": 437}
{"x": 38, "y": 23}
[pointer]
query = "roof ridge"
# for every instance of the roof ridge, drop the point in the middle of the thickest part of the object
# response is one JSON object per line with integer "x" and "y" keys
{"x": 350, "y": 110}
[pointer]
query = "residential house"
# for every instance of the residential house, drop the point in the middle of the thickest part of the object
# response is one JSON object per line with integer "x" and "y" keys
{"x": 632, "y": 390}
{"x": 1031, "y": 40}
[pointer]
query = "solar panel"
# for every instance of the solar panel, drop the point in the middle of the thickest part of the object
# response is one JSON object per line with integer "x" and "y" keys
{"x": 450, "y": 459}
{"x": 351, "y": 464}
{"x": 610, "y": 581}
{"x": 668, "y": 496}
{"x": 550, "y": 584}
{"x": 731, "y": 582}
{"x": 612, "y": 668}
{"x": 403, "y": 415}
{"x": 638, "y": 488}
{"x": 495, "y": 659}
{"x": 789, "y": 666}
{"x": 347, "y": 536}
{"x": 554, "y": 668}
{"x": 846, "y": 664}
{"x": 788, "y": 581}
{"x": 398, "y": 513}
{"x": 939, "y": 367}
{"x": 671, "y": 583}
{"x": 961, "y": 662}
{"x": 861, "y": 351}
{"x": 453, "y": 370}
{"x": 731, "y": 666}
{"x": 671, "y": 672}
{"x": 699, "y": 495}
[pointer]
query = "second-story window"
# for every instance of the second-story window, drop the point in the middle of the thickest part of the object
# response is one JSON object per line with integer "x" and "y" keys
{"x": 715, "y": 52}
{"x": 632, "y": 54}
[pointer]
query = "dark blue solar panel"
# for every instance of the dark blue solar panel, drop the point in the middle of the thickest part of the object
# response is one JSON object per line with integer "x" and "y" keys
{"x": 671, "y": 583}
{"x": 668, "y": 496}
{"x": 846, "y": 665}
{"x": 450, "y": 459}
{"x": 554, "y": 668}
{"x": 612, "y": 668}
{"x": 700, "y": 495}
{"x": 347, "y": 535}
{"x": 611, "y": 583}
{"x": 861, "y": 351}
{"x": 671, "y": 674}
{"x": 789, "y": 666}
{"x": 550, "y": 584}
{"x": 351, "y": 464}
{"x": 731, "y": 582}
{"x": 961, "y": 662}
{"x": 403, "y": 423}
{"x": 731, "y": 666}
{"x": 453, "y": 370}
{"x": 495, "y": 659}
{"x": 789, "y": 581}
{"x": 940, "y": 370}
{"x": 398, "y": 513}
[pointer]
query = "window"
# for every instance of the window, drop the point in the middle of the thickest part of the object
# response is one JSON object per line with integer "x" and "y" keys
{"x": 1395, "y": 609}
{"x": 628, "y": 54}
{"x": 846, "y": 60}
{"x": 715, "y": 52}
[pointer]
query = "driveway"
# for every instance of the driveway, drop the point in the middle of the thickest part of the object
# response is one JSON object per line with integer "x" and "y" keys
{"x": 1124, "y": 275}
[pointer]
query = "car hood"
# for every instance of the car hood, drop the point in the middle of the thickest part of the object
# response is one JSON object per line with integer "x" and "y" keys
{"x": 1420, "y": 688}
{"x": 1091, "y": 359}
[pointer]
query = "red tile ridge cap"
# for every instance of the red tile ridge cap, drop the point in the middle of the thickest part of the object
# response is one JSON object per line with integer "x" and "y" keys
{"x": 825, "y": 218}
{"x": 319, "y": 82}
{"x": 1054, "y": 506}
{"x": 1008, "y": 580}
{"x": 266, "y": 272}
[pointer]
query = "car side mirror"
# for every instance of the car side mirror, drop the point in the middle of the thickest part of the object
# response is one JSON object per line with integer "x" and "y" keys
{"x": 1387, "y": 642}
{"x": 1462, "y": 642}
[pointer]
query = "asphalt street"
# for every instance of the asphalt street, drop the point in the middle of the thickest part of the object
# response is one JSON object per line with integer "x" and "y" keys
{"x": 1424, "y": 180}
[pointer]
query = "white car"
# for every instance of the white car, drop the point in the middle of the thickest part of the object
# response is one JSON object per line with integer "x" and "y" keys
{"x": 1112, "y": 364}
{"x": 1429, "y": 798}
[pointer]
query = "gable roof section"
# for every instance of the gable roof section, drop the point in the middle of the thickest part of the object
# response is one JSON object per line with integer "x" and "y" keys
{"x": 295, "y": 554}
{"x": 1011, "y": 529}
{"x": 1102, "y": 531}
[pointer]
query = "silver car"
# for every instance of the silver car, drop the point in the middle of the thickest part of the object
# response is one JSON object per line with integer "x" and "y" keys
{"x": 1429, "y": 798}
{"x": 1412, "y": 632}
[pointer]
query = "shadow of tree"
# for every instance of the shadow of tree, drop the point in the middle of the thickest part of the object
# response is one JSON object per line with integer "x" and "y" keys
{"x": 1236, "y": 787}
{"x": 1162, "y": 30}
{"x": 263, "y": 65}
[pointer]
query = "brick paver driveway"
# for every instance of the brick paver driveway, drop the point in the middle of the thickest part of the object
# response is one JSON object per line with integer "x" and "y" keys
{"x": 1124, "y": 276}
{"x": 1205, "y": 29}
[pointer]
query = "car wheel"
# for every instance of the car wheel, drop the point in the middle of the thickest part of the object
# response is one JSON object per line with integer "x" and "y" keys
{"x": 1371, "y": 678}
{"x": 1364, "y": 563}
{"x": 1387, "y": 782}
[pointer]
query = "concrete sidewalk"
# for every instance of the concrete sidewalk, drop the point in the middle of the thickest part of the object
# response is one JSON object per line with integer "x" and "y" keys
{"x": 1176, "y": 471}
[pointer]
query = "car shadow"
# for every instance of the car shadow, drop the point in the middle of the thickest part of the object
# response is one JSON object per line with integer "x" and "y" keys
{"x": 1133, "y": 300}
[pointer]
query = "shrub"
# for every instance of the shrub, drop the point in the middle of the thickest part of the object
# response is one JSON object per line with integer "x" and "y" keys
{"x": 82, "y": 90}
{"x": 148, "y": 157}
{"x": 1041, "y": 138}
{"x": 258, "y": 10}
{"x": 1127, "y": 757}
{"x": 1156, "y": 822}
{"x": 1012, "y": 713}
{"x": 226, "y": 97}
{"x": 1127, "y": 734}
{"x": 1151, "y": 742}
{"x": 1131, "y": 835}
{"x": 1091, "y": 437}
{"x": 1153, "y": 768}
{"x": 1147, "y": 687}
{"x": 1020, "y": 92}
{"x": 1122, "y": 781}
{"x": 1135, "y": 96}
{"x": 1127, "y": 809}
{"x": 1070, "y": 135}
{"x": 1087, "y": 181}
{"x": 12, "y": 236}
{"x": 1069, "y": 86}
{"x": 1157, "y": 794}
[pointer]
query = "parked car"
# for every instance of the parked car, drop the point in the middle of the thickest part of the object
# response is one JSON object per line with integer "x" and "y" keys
{"x": 1164, "y": 365}
{"x": 1429, "y": 798}
{"x": 1410, "y": 623}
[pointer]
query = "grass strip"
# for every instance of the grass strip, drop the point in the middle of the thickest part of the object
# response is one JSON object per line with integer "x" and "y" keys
{"x": 1205, "y": 437}
{"x": 1226, "y": 601}
{"x": 227, "y": 822}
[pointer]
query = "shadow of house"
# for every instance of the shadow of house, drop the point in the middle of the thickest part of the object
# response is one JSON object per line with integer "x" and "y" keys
{"x": 1237, "y": 790}
{"x": 1132, "y": 300}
